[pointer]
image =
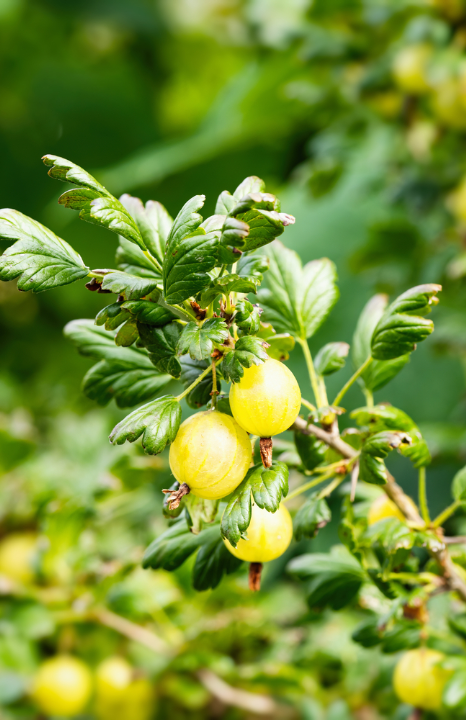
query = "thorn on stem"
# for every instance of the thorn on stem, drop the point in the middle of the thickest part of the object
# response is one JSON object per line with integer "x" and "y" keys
{"x": 176, "y": 496}
{"x": 266, "y": 447}
{"x": 255, "y": 572}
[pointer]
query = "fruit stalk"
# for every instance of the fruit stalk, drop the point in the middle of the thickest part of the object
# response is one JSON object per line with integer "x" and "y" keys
{"x": 255, "y": 572}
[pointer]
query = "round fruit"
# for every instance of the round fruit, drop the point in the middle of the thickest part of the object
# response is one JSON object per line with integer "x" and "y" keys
{"x": 409, "y": 68}
{"x": 62, "y": 686}
{"x": 211, "y": 454}
{"x": 382, "y": 508}
{"x": 120, "y": 693}
{"x": 419, "y": 680}
{"x": 269, "y": 535}
{"x": 17, "y": 553}
{"x": 266, "y": 400}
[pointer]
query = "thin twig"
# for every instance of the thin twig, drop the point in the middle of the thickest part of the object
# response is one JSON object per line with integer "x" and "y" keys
{"x": 332, "y": 440}
{"x": 227, "y": 695}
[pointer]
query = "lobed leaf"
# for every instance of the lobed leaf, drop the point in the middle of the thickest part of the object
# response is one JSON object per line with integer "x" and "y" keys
{"x": 311, "y": 450}
{"x": 199, "y": 341}
{"x": 175, "y": 545}
{"x": 130, "y": 286}
{"x": 331, "y": 358}
{"x": 98, "y": 343}
{"x": 95, "y": 203}
{"x": 213, "y": 561}
{"x": 267, "y": 486}
{"x": 297, "y": 300}
{"x": 112, "y": 316}
{"x": 148, "y": 312}
{"x": 311, "y": 517}
{"x": 157, "y": 422}
{"x": 39, "y": 259}
{"x": 458, "y": 487}
{"x": 162, "y": 343}
{"x": 387, "y": 417}
{"x": 248, "y": 351}
{"x": 129, "y": 382}
{"x": 330, "y": 581}
{"x": 153, "y": 221}
{"x": 131, "y": 259}
{"x": 403, "y": 323}
{"x": 379, "y": 372}
{"x": 190, "y": 254}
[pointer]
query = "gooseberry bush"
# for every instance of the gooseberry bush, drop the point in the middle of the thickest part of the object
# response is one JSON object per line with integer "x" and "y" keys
{"x": 185, "y": 311}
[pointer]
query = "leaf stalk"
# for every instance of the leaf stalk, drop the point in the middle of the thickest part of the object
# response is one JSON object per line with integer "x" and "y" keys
{"x": 352, "y": 379}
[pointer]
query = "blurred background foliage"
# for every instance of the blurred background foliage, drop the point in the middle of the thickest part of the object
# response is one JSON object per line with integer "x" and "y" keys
{"x": 355, "y": 112}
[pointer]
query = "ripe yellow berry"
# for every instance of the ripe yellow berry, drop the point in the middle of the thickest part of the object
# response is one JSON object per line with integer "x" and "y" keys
{"x": 120, "y": 693}
{"x": 419, "y": 680}
{"x": 17, "y": 553}
{"x": 269, "y": 535}
{"x": 382, "y": 508}
{"x": 409, "y": 68}
{"x": 62, "y": 686}
{"x": 211, "y": 454}
{"x": 266, "y": 400}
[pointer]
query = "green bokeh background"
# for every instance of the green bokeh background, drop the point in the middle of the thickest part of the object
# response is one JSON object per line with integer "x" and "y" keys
{"x": 171, "y": 99}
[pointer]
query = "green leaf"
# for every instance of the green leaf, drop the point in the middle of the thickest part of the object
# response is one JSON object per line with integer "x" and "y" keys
{"x": 392, "y": 533}
{"x": 153, "y": 221}
{"x": 129, "y": 382}
{"x": 98, "y": 343}
{"x": 199, "y": 341}
{"x": 311, "y": 450}
{"x": 226, "y": 202}
{"x": 212, "y": 562}
{"x": 259, "y": 213}
{"x": 457, "y": 623}
{"x": 227, "y": 284}
{"x": 130, "y": 286}
{"x": 148, "y": 312}
{"x": 330, "y": 581}
{"x": 297, "y": 300}
{"x": 191, "y": 253}
{"x": 387, "y": 417}
{"x": 371, "y": 466}
{"x": 200, "y": 511}
{"x": 406, "y": 635}
{"x": 130, "y": 259}
{"x": 266, "y": 486}
{"x": 175, "y": 545}
{"x": 252, "y": 264}
{"x": 248, "y": 351}
{"x": 458, "y": 487}
{"x": 367, "y": 633}
{"x": 112, "y": 316}
{"x": 95, "y": 203}
{"x": 379, "y": 372}
{"x": 162, "y": 342}
{"x": 247, "y": 317}
{"x": 454, "y": 694}
{"x": 190, "y": 371}
{"x": 157, "y": 422}
{"x": 39, "y": 259}
{"x": 402, "y": 325}
{"x": 331, "y": 358}
{"x": 311, "y": 517}
{"x": 234, "y": 233}
{"x": 127, "y": 334}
